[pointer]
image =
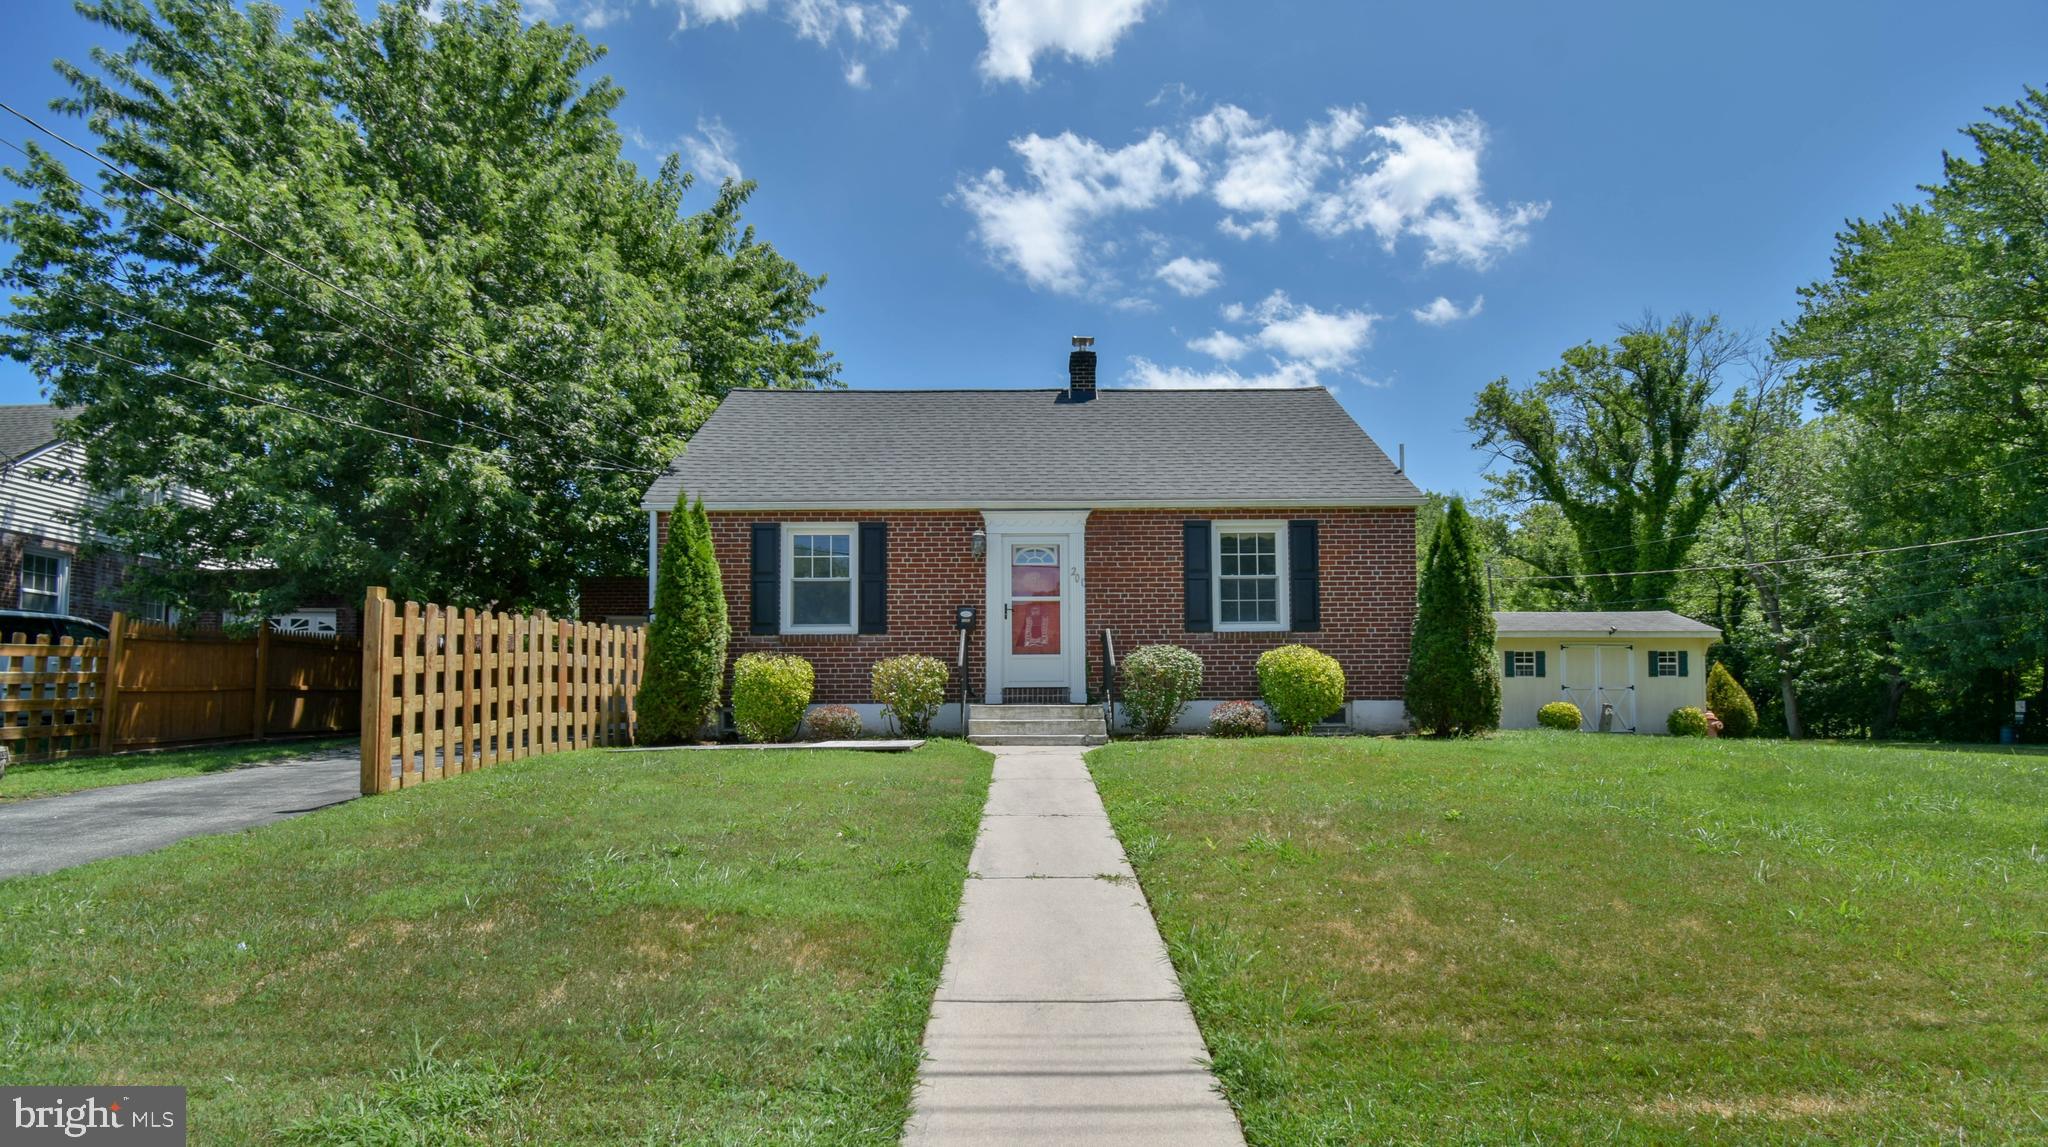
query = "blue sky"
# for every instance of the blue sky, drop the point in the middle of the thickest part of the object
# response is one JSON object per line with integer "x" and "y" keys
{"x": 1249, "y": 194}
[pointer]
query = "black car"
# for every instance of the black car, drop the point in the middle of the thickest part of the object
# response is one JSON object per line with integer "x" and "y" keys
{"x": 56, "y": 626}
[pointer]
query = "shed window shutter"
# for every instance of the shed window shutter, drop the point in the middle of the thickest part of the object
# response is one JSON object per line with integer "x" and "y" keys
{"x": 1196, "y": 607}
{"x": 1507, "y": 663}
{"x": 1304, "y": 576}
{"x": 1539, "y": 663}
{"x": 1653, "y": 663}
{"x": 1683, "y": 669}
{"x": 765, "y": 580}
{"x": 874, "y": 577}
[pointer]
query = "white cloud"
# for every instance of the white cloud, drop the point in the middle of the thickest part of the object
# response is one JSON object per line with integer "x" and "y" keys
{"x": 1221, "y": 346}
{"x": 711, "y": 152}
{"x": 1256, "y": 229}
{"x": 1149, "y": 375}
{"x": 1321, "y": 339}
{"x": 1191, "y": 277}
{"x": 1267, "y": 171}
{"x": 1021, "y": 30}
{"x": 1443, "y": 310}
{"x": 1425, "y": 182}
{"x": 850, "y": 25}
{"x": 1038, "y": 229}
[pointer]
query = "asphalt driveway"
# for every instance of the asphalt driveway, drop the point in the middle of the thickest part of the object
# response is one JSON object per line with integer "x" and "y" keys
{"x": 49, "y": 833}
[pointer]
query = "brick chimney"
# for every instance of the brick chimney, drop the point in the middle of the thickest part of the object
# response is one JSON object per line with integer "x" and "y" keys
{"x": 1081, "y": 369}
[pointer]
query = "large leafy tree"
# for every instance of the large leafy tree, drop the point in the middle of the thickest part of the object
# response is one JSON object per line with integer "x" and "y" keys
{"x": 1929, "y": 342}
{"x": 1628, "y": 441}
{"x": 391, "y": 303}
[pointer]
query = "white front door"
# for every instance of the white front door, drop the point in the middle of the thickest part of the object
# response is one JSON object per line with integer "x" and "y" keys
{"x": 1036, "y": 602}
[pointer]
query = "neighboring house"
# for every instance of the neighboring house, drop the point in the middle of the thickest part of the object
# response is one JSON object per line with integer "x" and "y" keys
{"x": 851, "y": 525}
{"x": 1643, "y": 663}
{"x": 43, "y": 501}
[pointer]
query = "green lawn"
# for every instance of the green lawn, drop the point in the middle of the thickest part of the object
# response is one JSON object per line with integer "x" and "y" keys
{"x": 593, "y": 947}
{"x": 1552, "y": 937}
{"x": 74, "y": 773}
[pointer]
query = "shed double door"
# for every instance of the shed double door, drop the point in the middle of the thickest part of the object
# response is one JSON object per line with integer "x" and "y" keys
{"x": 1595, "y": 676}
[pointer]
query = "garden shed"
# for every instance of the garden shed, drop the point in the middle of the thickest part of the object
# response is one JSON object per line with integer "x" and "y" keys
{"x": 1642, "y": 664}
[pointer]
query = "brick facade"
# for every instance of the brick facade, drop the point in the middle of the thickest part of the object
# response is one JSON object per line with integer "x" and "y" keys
{"x": 1134, "y": 588}
{"x": 599, "y": 598}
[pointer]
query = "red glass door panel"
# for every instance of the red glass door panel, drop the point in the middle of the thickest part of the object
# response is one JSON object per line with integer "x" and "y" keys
{"x": 1035, "y": 627}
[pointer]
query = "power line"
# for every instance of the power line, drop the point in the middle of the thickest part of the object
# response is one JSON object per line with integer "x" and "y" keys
{"x": 1785, "y": 561}
{"x": 216, "y": 256}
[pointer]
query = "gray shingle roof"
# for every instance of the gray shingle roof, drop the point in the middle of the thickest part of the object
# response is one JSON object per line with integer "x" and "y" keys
{"x": 24, "y": 428}
{"x": 996, "y": 449}
{"x": 1634, "y": 622}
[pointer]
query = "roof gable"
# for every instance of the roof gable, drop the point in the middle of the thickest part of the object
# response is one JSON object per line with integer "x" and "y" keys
{"x": 25, "y": 429}
{"x": 1601, "y": 623}
{"x": 915, "y": 449}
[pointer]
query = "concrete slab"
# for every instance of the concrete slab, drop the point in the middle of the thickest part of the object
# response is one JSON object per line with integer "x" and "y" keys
{"x": 1060, "y": 765}
{"x": 1068, "y": 940}
{"x": 1034, "y": 797}
{"x": 1070, "y": 1074}
{"x": 1019, "y": 846}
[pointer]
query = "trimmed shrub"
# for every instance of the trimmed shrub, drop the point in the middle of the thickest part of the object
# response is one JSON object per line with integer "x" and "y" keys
{"x": 1561, "y": 715}
{"x": 686, "y": 641}
{"x": 1237, "y": 719}
{"x": 1730, "y": 702}
{"x": 1158, "y": 682}
{"x": 1687, "y": 722}
{"x": 1301, "y": 685}
{"x": 910, "y": 690}
{"x": 832, "y": 723}
{"x": 770, "y": 692}
{"x": 1453, "y": 683}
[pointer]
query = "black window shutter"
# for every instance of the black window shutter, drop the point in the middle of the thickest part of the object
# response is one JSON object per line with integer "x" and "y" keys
{"x": 1539, "y": 663}
{"x": 1194, "y": 538}
{"x": 1653, "y": 663}
{"x": 874, "y": 577}
{"x": 1507, "y": 663}
{"x": 765, "y": 578}
{"x": 1304, "y": 576}
{"x": 1683, "y": 669}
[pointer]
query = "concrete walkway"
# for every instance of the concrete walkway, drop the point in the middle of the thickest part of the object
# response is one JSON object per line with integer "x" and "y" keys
{"x": 49, "y": 833}
{"x": 1058, "y": 1019}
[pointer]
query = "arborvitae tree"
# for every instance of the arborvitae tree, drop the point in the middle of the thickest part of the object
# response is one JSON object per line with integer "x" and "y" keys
{"x": 1453, "y": 685}
{"x": 1730, "y": 702}
{"x": 687, "y": 638}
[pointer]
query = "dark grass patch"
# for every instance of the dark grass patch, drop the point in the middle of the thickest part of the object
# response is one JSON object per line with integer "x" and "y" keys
{"x": 1546, "y": 937}
{"x": 584, "y": 948}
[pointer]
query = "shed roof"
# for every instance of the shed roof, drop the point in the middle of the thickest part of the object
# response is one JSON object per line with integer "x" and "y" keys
{"x": 1008, "y": 449}
{"x": 1602, "y": 623}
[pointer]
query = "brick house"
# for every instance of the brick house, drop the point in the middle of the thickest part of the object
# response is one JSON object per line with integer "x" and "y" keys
{"x": 853, "y": 525}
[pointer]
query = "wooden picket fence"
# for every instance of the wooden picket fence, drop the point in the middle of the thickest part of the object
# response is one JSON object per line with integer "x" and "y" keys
{"x": 166, "y": 687}
{"x": 51, "y": 702}
{"x": 450, "y": 691}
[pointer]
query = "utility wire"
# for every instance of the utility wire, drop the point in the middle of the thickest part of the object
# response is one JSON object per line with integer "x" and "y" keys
{"x": 1785, "y": 561}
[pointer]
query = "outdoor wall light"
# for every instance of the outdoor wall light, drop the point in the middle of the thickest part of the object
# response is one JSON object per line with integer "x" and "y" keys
{"x": 977, "y": 542}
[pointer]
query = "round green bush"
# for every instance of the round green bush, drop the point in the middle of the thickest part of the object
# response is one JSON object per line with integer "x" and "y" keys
{"x": 770, "y": 692}
{"x": 1687, "y": 722}
{"x": 910, "y": 690}
{"x": 1301, "y": 685}
{"x": 832, "y": 723}
{"x": 1237, "y": 719}
{"x": 1561, "y": 715}
{"x": 1158, "y": 682}
{"x": 1730, "y": 702}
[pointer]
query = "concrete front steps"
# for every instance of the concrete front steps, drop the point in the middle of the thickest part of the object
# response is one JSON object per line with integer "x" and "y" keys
{"x": 1036, "y": 725}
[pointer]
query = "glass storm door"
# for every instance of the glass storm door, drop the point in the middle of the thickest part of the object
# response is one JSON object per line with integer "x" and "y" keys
{"x": 1034, "y": 609}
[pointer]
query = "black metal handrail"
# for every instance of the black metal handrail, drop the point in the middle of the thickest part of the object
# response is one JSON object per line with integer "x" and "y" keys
{"x": 1108, "y": 680}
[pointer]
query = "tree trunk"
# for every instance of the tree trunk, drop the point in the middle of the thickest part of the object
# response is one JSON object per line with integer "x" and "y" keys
{"x": 1767, "y": 596}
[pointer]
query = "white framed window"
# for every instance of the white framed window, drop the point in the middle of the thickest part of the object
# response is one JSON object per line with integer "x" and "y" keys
{"x": 1251, "y": 575}
{"x": 314, "y": 622}
{"x": 45, "y": 582}
{"x": 1523, "y": 664}
{"x": 817, "y": 579}
{"x": 159, "y": 611}
{"x": 1664, "y": 663}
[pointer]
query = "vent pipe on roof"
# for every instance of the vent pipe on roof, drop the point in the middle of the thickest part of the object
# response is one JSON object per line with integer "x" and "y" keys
{"x": 1401, "y": 467}
{"x": 1081, "y": 369}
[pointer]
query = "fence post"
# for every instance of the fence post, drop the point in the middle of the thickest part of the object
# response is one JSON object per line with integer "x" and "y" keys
{"x": 260, "y": 728}
{"x": 376, "y": 767}
{"x": 110, "y": 683}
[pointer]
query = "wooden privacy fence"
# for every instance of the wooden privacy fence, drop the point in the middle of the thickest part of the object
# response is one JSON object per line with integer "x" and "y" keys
{"x": 50, "y": 696}
{"x": 146, "y": 686}
{"x": 450, "y": 691}
{"x": 170, "y": 688}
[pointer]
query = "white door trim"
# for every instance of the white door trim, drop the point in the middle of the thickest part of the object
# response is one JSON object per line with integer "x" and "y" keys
{"x": 1072, "y": 525}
